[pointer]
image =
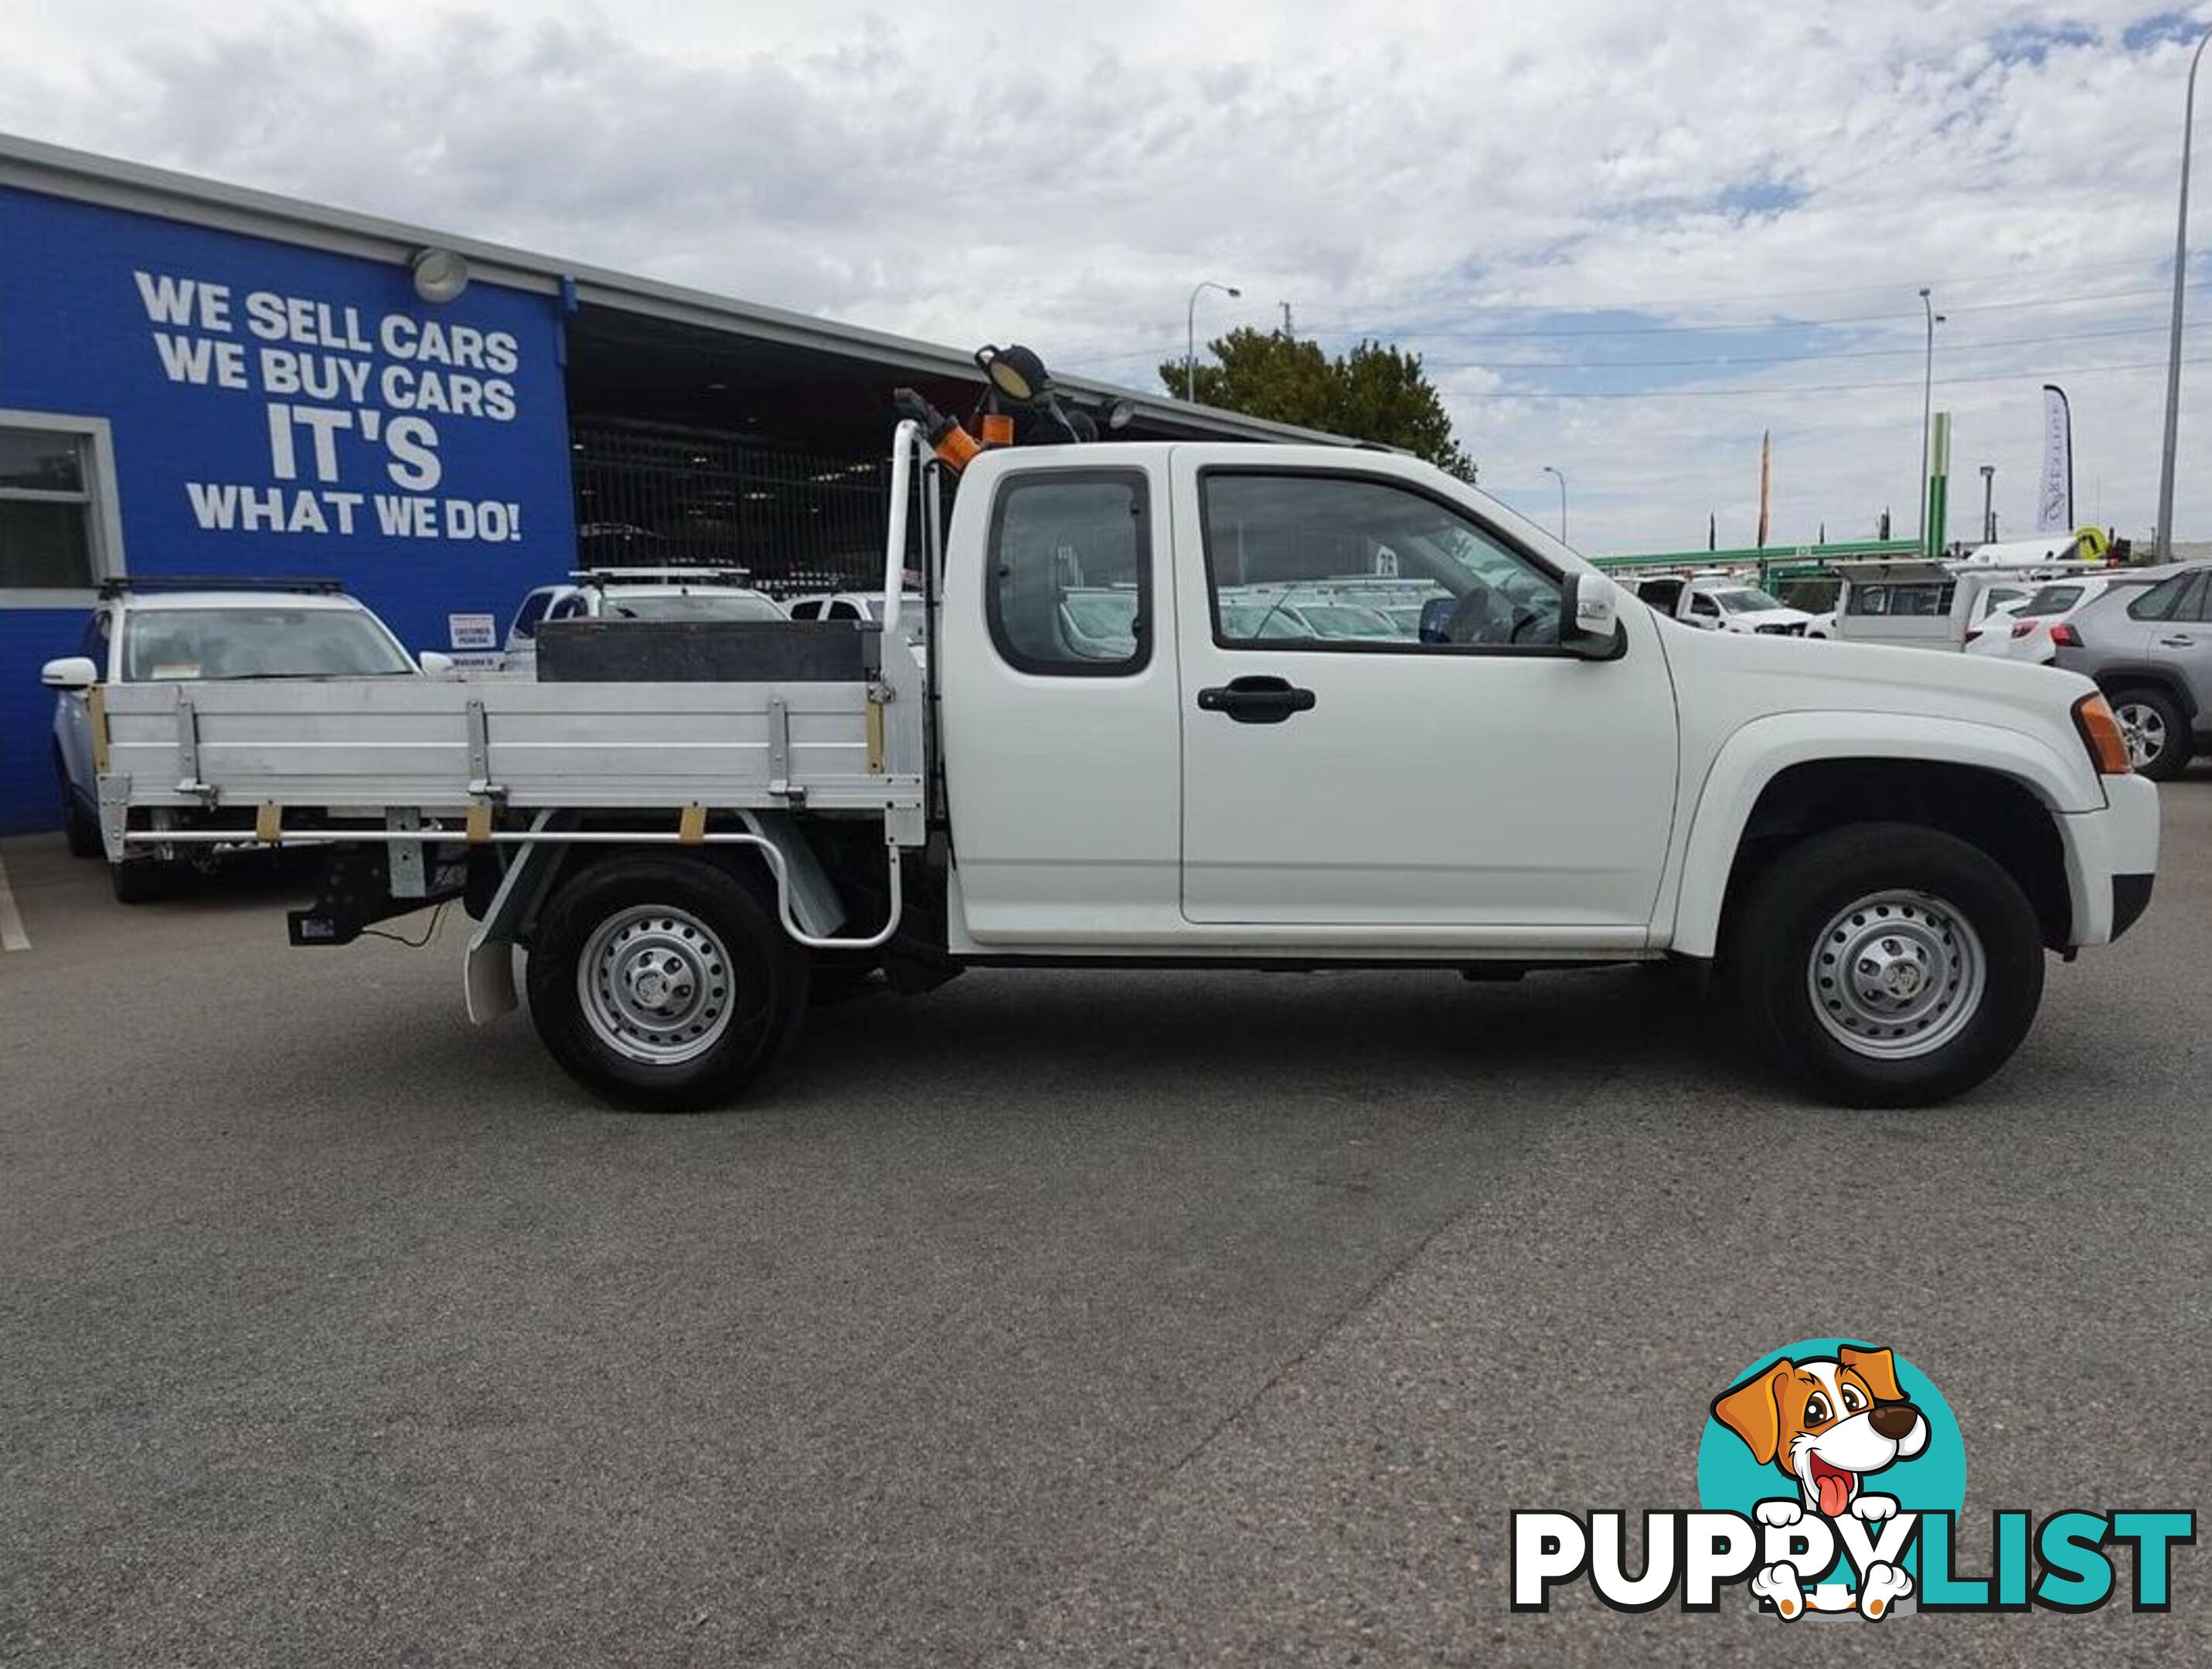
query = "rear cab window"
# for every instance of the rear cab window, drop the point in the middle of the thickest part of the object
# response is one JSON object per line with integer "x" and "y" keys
{"x": 1902, "y": 600}
{"x": 1069, "y": 590}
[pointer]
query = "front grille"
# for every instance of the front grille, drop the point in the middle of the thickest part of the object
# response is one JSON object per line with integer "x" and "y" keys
{"x": 1782, "y": 631}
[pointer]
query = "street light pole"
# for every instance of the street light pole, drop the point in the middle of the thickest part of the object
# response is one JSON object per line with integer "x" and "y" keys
{"x": 1190, "y": 334}
{"x": 2173, "y": 341}
{"x": 1549, "y": 471}
{"x": 1988, "y": 504}
{"x": 1927, "y": 404}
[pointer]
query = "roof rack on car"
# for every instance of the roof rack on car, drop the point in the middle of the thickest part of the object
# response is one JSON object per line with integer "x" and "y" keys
{"x": 117, "y": 584}
{"x": 660, "y": 576}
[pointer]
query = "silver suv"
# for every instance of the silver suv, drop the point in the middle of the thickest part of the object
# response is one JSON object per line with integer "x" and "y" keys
{"x": 2147, "y": 642}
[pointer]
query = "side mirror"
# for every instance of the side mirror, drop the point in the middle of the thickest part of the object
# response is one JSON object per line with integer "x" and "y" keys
{"x": 435, "y": 664}
{"x": 1589, "y": 617}
{"x": 69, "y": 672}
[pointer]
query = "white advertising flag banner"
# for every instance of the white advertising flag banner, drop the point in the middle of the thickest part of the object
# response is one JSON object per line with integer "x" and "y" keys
{"x": 2055, "y": 493}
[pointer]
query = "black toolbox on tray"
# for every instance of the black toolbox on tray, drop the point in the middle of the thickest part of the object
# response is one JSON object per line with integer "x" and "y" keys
{"x": 708, "y": 651}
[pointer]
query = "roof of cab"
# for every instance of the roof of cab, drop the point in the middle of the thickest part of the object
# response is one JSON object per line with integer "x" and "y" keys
{"x": 136, "y": 601}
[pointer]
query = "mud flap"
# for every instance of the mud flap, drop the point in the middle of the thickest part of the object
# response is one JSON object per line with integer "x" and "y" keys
{"x": 488, "y": 970}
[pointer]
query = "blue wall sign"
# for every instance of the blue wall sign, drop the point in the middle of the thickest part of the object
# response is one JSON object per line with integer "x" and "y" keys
{"x": 279, "y": 410}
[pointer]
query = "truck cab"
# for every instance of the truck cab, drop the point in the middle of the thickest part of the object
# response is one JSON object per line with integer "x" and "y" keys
{"x": 1221, "y": 776}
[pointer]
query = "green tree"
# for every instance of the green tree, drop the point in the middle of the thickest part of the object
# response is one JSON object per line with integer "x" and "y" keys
{"x": 1375, "y": 392}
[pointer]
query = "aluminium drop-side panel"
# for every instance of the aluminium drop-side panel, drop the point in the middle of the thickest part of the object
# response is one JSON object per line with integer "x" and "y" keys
{"x": 406, "y": 742}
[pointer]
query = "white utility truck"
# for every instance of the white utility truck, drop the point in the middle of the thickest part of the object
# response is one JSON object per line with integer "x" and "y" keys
{"x": 1914, "y": 603}
{"x": 1722, "y": 603}
{"x": 1877, "y": 847}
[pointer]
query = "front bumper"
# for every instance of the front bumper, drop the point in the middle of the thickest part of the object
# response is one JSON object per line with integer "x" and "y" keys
{"x": 2111, "y": 859}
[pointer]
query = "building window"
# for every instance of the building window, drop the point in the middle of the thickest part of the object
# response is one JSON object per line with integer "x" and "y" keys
{"x": 56, "y": 508}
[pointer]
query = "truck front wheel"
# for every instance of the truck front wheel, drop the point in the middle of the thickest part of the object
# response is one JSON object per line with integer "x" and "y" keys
{"x": 1887, "y": 964}
{"x": 666, "y": 985}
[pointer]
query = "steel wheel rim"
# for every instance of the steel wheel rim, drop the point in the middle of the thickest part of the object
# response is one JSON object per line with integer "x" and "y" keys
{"x": 2142, "y": 726}
{"x": 656, "y": 984}
{"x": 1897, "y": 974}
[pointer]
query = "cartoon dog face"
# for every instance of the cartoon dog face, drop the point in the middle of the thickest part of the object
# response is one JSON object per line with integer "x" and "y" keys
{"x": 1826, "y": 1422}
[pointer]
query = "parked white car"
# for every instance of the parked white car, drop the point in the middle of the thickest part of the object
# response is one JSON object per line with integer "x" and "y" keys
{"x": 861, "y": 605}
{"x": 1998, "y": 607}
{"x": 635, "y": 593}
{"x": 139, "y": 634}
{"x": 844, "y": 605}
{"x": 2026, "y": 635}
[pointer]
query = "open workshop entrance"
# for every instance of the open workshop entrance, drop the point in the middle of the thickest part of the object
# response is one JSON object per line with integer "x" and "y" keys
{"x": 696, "y": 443}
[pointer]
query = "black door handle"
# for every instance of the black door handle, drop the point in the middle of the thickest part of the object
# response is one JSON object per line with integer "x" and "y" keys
{"x": 1261, "y": 700}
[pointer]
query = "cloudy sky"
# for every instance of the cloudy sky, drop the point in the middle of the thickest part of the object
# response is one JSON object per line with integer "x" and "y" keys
{"x": 1626, "y": 236}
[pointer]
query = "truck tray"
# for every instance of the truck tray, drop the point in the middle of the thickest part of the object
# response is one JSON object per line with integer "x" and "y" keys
{"x": 439, "y": 745}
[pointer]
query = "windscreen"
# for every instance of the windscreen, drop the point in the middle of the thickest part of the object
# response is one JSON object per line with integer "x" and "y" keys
{"x": 1748, "y": 599}
{"x": 1105, "y": 617}
{"x": 258, "y": 641}
{"x": 2051, "y": 600}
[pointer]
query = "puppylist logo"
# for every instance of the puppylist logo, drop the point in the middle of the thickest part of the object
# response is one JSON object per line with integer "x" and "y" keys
{"x": 1829, "y": 1480}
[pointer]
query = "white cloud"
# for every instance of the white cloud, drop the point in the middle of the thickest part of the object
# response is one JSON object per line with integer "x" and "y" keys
{"x": 1408, "y": 171}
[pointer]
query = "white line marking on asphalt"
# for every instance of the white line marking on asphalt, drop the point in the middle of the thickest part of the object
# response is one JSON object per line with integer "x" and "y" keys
{"x": 12, "y": 935}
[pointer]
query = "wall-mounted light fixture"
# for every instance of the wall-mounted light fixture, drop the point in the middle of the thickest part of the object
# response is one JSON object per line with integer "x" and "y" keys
{"x": 439, "y": 273}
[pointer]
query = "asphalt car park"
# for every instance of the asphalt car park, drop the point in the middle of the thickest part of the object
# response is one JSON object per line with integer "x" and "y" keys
{"x": 1067, "y": 1318}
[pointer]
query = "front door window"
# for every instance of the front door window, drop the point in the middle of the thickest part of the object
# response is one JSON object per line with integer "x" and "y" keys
{"x": 1307, "y": 562}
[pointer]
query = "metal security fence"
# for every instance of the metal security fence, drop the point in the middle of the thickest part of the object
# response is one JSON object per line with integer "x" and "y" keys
{"x": 647, "y": 495}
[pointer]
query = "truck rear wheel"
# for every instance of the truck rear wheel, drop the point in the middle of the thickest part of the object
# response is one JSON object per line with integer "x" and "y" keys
{"x": 1887, "y": 964}
{"x": 663, "y": 984}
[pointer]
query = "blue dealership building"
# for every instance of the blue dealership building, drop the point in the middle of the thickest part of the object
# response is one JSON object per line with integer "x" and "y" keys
{"x": 200, "y": 380}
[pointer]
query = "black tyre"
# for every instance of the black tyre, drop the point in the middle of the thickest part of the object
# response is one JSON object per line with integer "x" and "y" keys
{"x": 832, "y": 983}
{"x": 143, "y": 880}
{"x": 664, "y": 984}
{"x": 79, "y": 827}
{"x": 2156, "y": 729}
{"x": 1886, "y": 964}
